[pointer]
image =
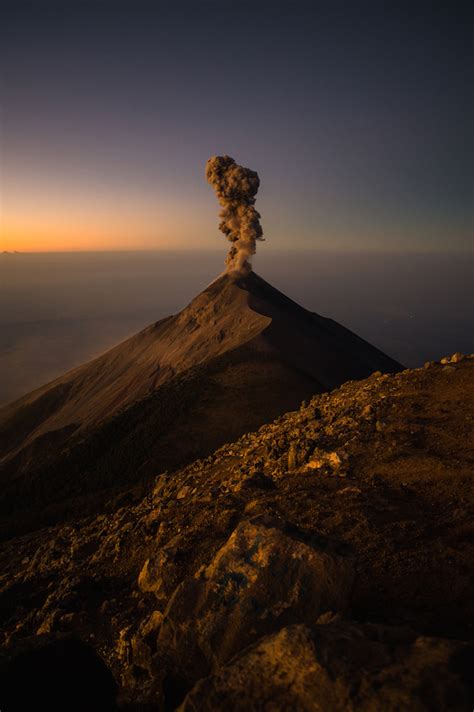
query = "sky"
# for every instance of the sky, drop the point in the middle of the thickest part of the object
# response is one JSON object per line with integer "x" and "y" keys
{"x": 357, "y": 116}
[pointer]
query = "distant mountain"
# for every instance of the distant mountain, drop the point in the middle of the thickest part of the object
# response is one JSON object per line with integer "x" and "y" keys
{"x": 238, "y": 355}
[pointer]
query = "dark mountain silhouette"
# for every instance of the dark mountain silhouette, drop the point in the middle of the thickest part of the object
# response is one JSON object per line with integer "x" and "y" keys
{"x": 240, "y": 354}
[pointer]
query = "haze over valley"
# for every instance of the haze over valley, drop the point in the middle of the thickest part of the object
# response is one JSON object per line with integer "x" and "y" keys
{"x": 58, "y": 310}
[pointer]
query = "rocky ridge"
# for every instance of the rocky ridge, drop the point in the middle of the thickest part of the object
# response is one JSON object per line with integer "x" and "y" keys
{"x": 324, "y": 561}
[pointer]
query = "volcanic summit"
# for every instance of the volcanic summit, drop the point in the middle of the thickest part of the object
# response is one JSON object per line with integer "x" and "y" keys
{"x": 238, "y": 355}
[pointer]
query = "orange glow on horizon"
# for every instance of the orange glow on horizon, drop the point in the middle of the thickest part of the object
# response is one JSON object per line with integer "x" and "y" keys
{"x": 57, "y": 213}
{"x": 76, "y": 228}
{"x": 73, "y": 238}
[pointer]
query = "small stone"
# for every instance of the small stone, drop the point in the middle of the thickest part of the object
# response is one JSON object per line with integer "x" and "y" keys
{"x": 49, "y": 623}
{"x": 123, "y": 644}
{"x": 315, "y": 464}
{"x": 160, "y": 484}
{"x": 350, "y": 490}
{"x": 152, "y": 521}
{"x": 151, "y": 624}
{"x": 44, "y": 628}
{"x": 292, "y": 457}
{"x": 454, "y": 358}
{"x": 183, "y": 492}
{"x": 321, "y": 459}
{"x": 328, "y": 617}
{"x": 334, "y": 459}
{"x": 251, "y": 506}
{"x": 146, "y": 583}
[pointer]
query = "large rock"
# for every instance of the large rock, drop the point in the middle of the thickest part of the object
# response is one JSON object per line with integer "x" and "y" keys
{"x": 339, "y": 667}
{"x": 260, "y": 580}
{"x": 159, "y": 574}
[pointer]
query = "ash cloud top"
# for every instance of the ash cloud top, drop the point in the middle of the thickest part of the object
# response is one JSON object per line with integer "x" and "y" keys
{"x": 235, "y": 187}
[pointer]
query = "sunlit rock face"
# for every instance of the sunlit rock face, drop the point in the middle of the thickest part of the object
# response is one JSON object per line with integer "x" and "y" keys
{"x": 338, "y": 666}
{"x": 259, "y": 580}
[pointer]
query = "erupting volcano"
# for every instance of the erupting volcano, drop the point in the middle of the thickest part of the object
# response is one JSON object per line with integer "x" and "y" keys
{"x": 167, "y": 542}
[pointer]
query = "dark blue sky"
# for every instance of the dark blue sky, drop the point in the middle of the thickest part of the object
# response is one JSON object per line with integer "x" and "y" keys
{"x": 358, "y": 118}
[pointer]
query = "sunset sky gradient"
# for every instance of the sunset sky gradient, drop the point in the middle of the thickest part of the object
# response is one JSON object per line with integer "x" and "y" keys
{"x": 358, "y": 119}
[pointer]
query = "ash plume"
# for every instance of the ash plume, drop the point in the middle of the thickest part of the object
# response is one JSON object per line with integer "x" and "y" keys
{"x": 236, "y": 187}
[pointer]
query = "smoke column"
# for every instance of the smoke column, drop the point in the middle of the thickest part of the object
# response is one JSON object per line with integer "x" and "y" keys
{"x": 236, "y": 187}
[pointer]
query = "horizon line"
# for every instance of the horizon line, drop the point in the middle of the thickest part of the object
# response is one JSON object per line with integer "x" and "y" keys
{"x": 370, "y": 250}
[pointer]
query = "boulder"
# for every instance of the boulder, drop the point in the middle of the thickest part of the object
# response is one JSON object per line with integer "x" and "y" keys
{"x": 261, "y": 579}
{"x": 341, "y": 667}
{"x": 159, "y": 574}
{"x": 256, "y": 480}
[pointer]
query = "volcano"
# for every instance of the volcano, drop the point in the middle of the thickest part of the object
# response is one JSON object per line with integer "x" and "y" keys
{"x": 240, "y": 354}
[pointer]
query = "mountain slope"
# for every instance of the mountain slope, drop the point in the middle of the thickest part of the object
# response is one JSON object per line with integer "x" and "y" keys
{"x": 238, "y": 355}
{"x": 216, "y": 321}
{"x": 227, "y": 314}
{"x": 364, "y": 493}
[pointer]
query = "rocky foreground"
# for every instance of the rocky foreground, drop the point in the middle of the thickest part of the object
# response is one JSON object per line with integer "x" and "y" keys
{"x": 324, "y": 562}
